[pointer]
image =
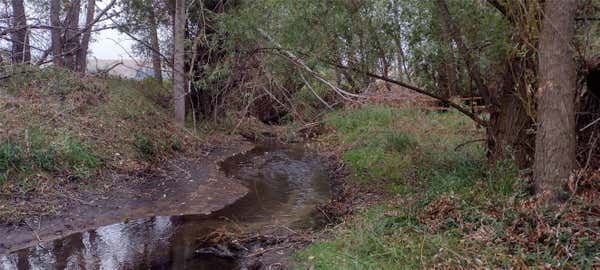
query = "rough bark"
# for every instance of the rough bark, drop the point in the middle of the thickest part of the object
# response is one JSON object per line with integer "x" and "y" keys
{"x": 56, "y": 33}
{"x": 21, "y": 53}
{"x": 71, "y": 44}
{"x": 156, "y": 58}
{"x": 508, "y": 132}
{"x": 555, "y": 156}
{"x": 179, "y": 82}
{"x": 86, "y": 36}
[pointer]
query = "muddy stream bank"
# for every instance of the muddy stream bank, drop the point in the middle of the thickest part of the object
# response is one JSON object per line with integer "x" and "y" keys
{"x": 285, "y": 184}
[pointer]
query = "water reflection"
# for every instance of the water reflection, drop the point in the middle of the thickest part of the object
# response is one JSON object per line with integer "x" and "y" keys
{"x": 285, "y": 184}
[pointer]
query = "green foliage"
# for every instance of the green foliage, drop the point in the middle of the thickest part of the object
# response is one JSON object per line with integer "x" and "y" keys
{"x": 368, "y": 33}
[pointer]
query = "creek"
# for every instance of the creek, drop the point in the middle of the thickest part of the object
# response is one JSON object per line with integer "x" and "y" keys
{"x": 286, "y": 184}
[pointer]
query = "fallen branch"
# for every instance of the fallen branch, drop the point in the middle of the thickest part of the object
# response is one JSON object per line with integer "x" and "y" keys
{"x": 314, "y": 92}
{"x": 298, "y": 62}
{"x": 458, "y": 107}
{"x": 107, "y": 70}
{"x": 590, "y": 124}
{"x": 413, "y": 88}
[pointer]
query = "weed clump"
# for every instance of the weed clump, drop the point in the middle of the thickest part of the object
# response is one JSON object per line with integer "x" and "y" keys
{"x": 78, "y": 157}
{"x": 145, "y": 147}
{"x": 10, "y": 158}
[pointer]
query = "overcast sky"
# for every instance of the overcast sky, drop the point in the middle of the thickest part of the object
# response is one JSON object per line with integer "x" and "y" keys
{"x": 105, "y": 45}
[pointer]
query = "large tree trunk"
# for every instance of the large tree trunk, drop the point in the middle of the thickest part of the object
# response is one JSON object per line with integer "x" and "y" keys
{"x": 508, "y": 131}
{"x": 179, "y": 82}
{"x": 555, "y": 141}
{"x": 71, "y": 45}
{"x": 56, "y": 33}
{"x": 86, "y": 36}
{"x": 20, "y": 36}
{"x": 156, "y": 60}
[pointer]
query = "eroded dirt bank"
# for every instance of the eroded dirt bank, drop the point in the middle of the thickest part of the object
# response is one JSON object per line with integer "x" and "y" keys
{"x": 184, "y": 185}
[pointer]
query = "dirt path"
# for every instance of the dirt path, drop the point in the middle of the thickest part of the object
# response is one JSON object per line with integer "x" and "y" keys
{"x": 184, "y": 185}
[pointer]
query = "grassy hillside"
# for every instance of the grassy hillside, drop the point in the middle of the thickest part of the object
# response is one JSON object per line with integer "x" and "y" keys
{"x": 444, "y": 206}
{"x": 58, "y": 129}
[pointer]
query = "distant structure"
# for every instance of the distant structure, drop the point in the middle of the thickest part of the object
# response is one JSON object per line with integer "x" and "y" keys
{"x": 129, "y": 69}
{"x": 144, "y": 72}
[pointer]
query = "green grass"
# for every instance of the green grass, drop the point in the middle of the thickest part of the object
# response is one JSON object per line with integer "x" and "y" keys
{"x": 447, "y": 207}
{"x": 70, "y": 157}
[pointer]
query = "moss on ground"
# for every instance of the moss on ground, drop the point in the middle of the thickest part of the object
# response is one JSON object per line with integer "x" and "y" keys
{"x": 447, "y": 207}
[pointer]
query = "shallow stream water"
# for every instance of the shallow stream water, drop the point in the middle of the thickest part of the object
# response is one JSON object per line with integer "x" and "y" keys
{"x": 285, "y": 183}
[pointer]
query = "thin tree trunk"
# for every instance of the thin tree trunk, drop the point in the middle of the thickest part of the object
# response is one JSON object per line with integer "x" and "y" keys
{"x": 20, "y": 36}
{"x": 179, "y": 82}
{"x": 86, "y": 36}
{"x": 56, "y": 32}
{"x": 555, "y": 141}
{"x": 474, "y": 73}
{"x": 400, "y": 55}
{"x": 71, "y": 45}
{"x": 156, "y": 60}
{"x": 450, "y": 68}
{"x": 401, "y": 59}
